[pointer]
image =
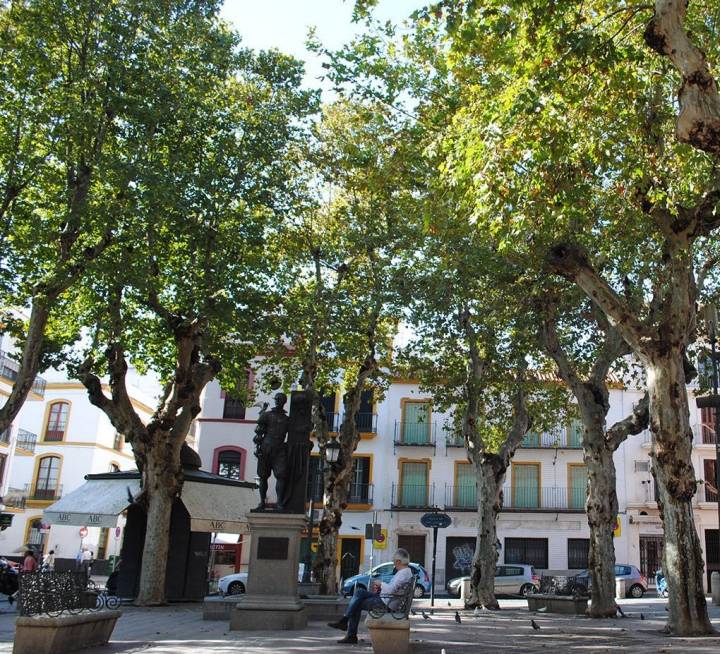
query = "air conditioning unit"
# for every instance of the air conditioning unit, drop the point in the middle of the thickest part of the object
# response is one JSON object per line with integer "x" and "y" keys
{"x": 642, "y": 466}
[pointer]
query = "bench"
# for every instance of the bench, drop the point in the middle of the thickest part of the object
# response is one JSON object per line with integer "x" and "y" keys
{"x": 389, "y": 625}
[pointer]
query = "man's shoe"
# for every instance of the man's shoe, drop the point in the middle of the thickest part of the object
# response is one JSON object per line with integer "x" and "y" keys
{"x": 341, "y": 624}
{"x": 348, "y": 640}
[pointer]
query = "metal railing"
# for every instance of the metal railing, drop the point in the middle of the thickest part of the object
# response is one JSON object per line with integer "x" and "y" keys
{"x": 415, "y": 433}
{"x": 412, "y": 496}
{"x": 707, "y": 493}
{"x": 26, "y": 440}
{"x": 358, "y": 493}
{"x": 9, "y": 368}
{"x": 35, "y": 492}
{"x": 366, "y": 422}
{"x": 704, "y": 434}
{"x": 14, "y": 498}
{"x": 462, "y": 497}
{"x": 548, "y": 498}
{"x": 561, "y": 438}
{"x": 454, "y": 440}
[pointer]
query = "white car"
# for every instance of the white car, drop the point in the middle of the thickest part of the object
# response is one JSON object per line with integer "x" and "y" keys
{"x": 235, "y": 584}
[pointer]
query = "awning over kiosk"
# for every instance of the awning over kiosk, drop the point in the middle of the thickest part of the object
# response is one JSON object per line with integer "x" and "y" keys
{"x": 97, "y": 503}
{"x": 218, "y": 507}
{"x": 214, "y": 503}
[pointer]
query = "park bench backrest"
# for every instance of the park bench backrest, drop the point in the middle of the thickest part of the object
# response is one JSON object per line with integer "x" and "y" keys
{"x": 399, "y": 603}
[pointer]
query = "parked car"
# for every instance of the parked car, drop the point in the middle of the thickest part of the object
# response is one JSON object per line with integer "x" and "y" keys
{"x": 235, "y": 584}
{"x": 510, "y": 579}
{"x": 635, "y": 583}
{"x": 384, "y": 572}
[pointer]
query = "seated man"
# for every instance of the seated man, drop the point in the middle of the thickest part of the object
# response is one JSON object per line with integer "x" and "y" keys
{"x": 379, "y": 595}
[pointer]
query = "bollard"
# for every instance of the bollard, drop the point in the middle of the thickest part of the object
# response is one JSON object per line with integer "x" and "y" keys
{"x": 619, "y": 589}
{"x": 715, "y": 587}
{"x": 465, "y": 590}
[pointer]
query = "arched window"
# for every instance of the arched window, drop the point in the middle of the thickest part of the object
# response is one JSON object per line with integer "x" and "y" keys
{"x": 57, "y": 421}
{"x": 229, "y": 462}
{"x": 34, "y": 535}
{"x": 46, "y": 484}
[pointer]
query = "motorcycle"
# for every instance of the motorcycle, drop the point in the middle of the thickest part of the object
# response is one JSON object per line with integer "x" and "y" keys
{"x": 8, "y": 580}
{"x": 661, "y": 583}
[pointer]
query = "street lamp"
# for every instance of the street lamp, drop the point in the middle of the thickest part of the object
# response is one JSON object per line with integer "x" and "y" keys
{"x": 332, "y": 453}
{"x": 711, "y": 325}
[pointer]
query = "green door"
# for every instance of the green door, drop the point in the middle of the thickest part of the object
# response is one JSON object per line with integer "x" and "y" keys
{"x": 416, "y": 425}
{"x": 465, "y": 491}
{"x": 526, "y": 481}
{"x": 575, "y": 433}
{"x": 413, "y": 491}
{"x": 578, "y": 486}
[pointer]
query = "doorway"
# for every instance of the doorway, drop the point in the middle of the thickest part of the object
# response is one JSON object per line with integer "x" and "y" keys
{"x": 650, "y": 556}
{"x": 415, "y": 545}
{"x": 712, "y": 553}
{"x": 350, "y": 556}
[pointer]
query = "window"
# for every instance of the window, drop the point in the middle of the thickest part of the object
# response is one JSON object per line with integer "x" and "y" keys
{"x": 229, "y": 464}
{"x": 413, "y": 484}
{"x": 416, "y": 422}
{"x": 328, "y": 402}
{"x": 315, "y": 480}
{"x": 365, "y": 419}
{"x": 233, "y": 409}
{"x": 577, "y": 485}
{"x": 103, "y": 543}
{"x": 360, "y": 481}
{"x": 575, "y": 433}
{"x": 465, "y": 486}
{"x": 707, "y": 421}
{"x": 711, "y": 489}
{"x": 35, "y": 535}
{"x": 578, "y": 553}
{"x": 57, "y": 421}
{"x": 526, "y": 485}
{"x": 530, "y": 551}
{"x": 46, "y": 484}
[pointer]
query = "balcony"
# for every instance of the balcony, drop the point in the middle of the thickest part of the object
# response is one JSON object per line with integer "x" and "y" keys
{"x": 5, "y": 435}
{"x": 414, "y": 434}
{"x": 454, "y": 440}
{"x": 565, "y": 438}
{"x": 704, "y": 434}
{"x": 14, "y": 498}
{"x": 360, "y": 494}
{"x": 412, "y": 497}
{"x": 26, "y": 440}
{"x": 43, "y": 494}
{"x": 548, "y": 498}
{"x": 9, "y": 369}
{"x": 366, "y": 423}
{"x": 707, "y": 493}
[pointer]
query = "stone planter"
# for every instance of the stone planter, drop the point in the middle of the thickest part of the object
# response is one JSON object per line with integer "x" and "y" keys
{"x": 558, "y": 603}
{"x": 42, "y": 634}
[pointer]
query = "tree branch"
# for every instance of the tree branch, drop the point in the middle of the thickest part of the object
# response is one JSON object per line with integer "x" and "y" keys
{"x": 698, "y": 122}
{"x": 633, "y": 424}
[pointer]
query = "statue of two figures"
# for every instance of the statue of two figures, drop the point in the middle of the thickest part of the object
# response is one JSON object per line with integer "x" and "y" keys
{"x": 283, "y": 449}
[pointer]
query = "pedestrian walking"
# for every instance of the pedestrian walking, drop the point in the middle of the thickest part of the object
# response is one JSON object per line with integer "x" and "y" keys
{"x": 78, "y": 560}
{"x": 87, "y": 562}
{"x": 29, "y": 563}
{"x": 48, "y": 562}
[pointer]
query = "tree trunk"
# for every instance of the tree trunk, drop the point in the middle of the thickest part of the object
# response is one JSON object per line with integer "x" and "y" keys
{"x": 601, "y": 507}
{"x": 675, "y": 480}
{"x": 160, "y": 485}
{"x": 490, "y": 478}
{"x": 326, "y": 562}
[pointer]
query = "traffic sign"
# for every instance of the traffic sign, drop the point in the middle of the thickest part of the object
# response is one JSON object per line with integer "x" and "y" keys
{"x": 436, "y": 520}
{"x": 83, "y": 532}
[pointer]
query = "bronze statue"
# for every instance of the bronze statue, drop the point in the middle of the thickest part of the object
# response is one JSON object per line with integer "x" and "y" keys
{"x": 271, "y": 450}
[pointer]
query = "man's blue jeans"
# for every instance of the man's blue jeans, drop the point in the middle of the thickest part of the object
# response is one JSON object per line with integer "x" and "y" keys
{"x": 362, "y": 600}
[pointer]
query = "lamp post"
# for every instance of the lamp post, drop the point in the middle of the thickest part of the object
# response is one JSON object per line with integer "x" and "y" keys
{"x": 711, "y": 324}
{"x": 332, "y": 452}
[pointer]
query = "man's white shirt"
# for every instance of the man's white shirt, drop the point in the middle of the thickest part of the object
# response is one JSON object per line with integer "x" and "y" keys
{"x": 400, "y": 579}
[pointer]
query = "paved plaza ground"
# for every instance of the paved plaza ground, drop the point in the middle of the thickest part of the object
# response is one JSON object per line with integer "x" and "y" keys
{"x": 181, "y": 629}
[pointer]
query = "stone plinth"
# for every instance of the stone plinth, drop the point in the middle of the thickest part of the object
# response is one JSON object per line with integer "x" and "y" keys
{"x": 272, "y": 601}
{"x": 388, "y": 635}
{"x": 557, "y": 603}
{"x": 63, "y": 633}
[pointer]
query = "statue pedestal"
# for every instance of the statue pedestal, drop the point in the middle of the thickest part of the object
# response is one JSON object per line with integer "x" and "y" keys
{"x": 271, "y": 601}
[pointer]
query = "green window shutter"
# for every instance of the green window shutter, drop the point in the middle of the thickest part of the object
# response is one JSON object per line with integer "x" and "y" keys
{"x": 525, "y": 486}
{"x": 578, "y": 486}
{"x": 532, "y": 439}
{"x": 466, "y": 491}
{"x": 575, "y": 433}
{"x": 416, "y": 424}
{"x": 414, "y": 484}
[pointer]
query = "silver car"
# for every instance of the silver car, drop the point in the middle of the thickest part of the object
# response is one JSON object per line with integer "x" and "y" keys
{"x": 510, "y": 579}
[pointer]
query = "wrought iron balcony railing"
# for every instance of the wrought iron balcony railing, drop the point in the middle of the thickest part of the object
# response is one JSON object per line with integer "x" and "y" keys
{"x": 26, "y": 440}
{"x": 415, "y": 433}
{"x": 463, "y": 497}
{"x": 366, "y": 423}
{"x": 412, "y": 496}
{"x": 566, "y": 438}
{"x": 9, "y": 369}
{"x": 14, "y": 498}
{"x": 44, "y": 493}
{"x": 358, "y": 493}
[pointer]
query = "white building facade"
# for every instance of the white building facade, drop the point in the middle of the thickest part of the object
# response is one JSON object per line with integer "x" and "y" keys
{"x": 407, "y": 463}
{"x": 57, "y": 438}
